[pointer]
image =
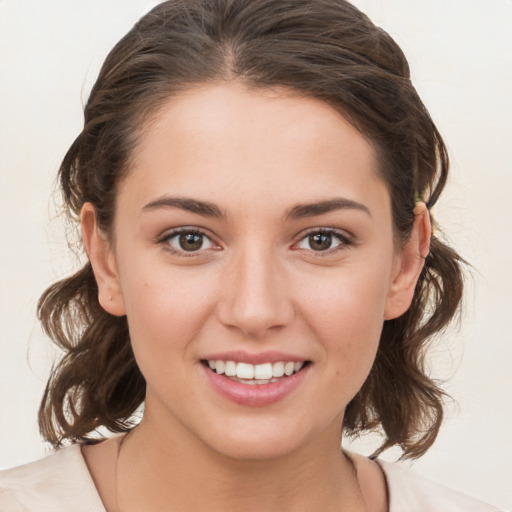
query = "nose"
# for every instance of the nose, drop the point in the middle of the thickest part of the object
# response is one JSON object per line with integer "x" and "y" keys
{"x": 255, "y": 298}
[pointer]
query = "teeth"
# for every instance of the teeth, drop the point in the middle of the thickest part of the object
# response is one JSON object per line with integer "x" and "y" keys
{"x": 245, "y": 371}
{"x": 230, "y": 369}
{"x": 263, "y": 371}
{"x": 288, "y": 368}
{"x": 219, "y": 367}
{"x": 255, "y": 374}
{"x": 252, "y": 382}
{"x": 278, "y": 369}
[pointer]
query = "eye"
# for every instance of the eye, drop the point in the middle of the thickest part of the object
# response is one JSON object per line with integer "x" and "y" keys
{"x": 187, "y": 240}
{"x": 324, "y": 240}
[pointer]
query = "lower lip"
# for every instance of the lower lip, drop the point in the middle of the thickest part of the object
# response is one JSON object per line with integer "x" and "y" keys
{"x": 256, "y": 395}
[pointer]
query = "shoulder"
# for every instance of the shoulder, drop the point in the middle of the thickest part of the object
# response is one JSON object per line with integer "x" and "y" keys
{"x": 409, "y": 491}
{"x": 60, "y": 482}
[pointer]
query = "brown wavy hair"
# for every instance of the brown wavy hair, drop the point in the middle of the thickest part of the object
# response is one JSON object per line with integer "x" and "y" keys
{"x": 325, "y": 49}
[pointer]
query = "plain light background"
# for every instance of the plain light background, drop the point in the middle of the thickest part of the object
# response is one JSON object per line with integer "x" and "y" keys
{"x": 460, "y": 52}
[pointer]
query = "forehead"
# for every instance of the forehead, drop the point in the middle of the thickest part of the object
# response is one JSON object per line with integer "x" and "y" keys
{"x": 228, "y": 141}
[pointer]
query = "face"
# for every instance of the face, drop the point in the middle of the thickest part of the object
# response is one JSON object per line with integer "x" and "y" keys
{"x": 253, "y": 232}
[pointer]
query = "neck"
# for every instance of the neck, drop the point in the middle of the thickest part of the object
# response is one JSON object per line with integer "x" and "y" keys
{"x": 175, "y": 471}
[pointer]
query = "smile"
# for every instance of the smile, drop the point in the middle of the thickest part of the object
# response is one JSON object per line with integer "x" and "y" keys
{"x": 247, "y": 373}
{"x": 255, "y": 384}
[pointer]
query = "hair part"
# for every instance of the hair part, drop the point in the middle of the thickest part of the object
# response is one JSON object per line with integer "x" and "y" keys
{"x": 324, "y": 49}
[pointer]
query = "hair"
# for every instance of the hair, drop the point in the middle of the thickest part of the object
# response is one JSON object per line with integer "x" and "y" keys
{"x": 323, "y": 49}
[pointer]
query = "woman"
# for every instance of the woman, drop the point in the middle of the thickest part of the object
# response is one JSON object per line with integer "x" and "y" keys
{"x": 253, "y": 182}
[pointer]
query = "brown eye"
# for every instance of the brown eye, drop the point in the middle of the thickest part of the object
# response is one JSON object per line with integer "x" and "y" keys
{"x": 324, "y": 240}
{"x": 320, "y": 241}
{"x": 189, "y": 241}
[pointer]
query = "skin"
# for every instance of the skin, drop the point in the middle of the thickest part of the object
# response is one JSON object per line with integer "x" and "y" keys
{"x": 256, "y": 285}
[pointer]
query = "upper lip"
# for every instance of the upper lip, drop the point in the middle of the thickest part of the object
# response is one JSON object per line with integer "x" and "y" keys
{"x": 240, "y": 356}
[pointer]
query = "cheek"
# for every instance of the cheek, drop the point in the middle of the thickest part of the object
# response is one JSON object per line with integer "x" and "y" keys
{"x": 165, "y": 306}
{"x": 346, "y": 312}
{"x": 349, "y": 301}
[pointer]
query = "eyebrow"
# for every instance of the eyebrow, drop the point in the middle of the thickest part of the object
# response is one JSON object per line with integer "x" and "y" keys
{"x": 204, "y": 208}
{"x": 301, "y": 211}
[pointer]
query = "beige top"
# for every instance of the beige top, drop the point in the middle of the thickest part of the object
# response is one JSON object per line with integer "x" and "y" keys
{"x": 61, "y": 482}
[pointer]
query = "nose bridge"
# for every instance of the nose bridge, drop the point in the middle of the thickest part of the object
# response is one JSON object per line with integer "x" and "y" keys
{"x": 255, "y": 297}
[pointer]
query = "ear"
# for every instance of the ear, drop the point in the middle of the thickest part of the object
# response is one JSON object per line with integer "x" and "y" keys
{"x": 410, "y": 262}
{"x": 103, "y": 262}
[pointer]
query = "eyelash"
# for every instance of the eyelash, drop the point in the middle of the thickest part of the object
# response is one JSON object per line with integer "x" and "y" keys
{"x": 345, "y": 240}
{"x": 166, "y": 239}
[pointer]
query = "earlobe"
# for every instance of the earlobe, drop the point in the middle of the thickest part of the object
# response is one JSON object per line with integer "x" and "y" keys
{"x": 103, "y": 262}
{"x": 410, "y": 264}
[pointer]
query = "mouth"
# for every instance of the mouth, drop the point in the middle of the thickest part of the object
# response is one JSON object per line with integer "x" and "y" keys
{"x": 255, "y": 374}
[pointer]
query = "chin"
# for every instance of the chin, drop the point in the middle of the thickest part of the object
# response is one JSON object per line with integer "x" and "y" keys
{"x": 260, "y": 441}
{"x": 262, "y": 449}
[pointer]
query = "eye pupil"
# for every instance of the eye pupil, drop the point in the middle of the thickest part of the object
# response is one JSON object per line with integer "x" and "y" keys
{"x": 190, "y": 241}
{"x": 320, "y": 241}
